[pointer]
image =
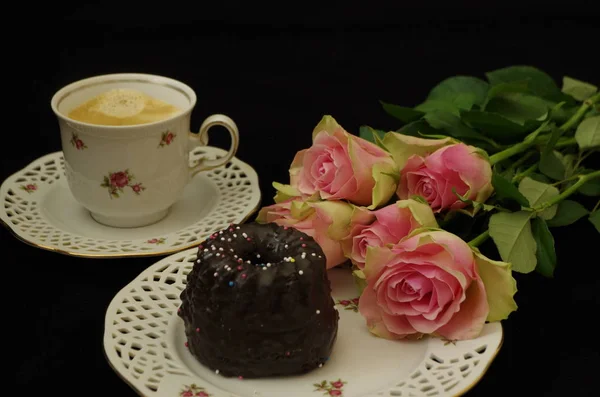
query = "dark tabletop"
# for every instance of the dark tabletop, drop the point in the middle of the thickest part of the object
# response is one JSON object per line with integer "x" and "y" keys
{"x": 277, "y": 81}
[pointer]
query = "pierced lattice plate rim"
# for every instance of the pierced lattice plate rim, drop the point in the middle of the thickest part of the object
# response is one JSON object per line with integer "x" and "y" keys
{"x": 144, "y": 343}
{"x": 39, "y": 209}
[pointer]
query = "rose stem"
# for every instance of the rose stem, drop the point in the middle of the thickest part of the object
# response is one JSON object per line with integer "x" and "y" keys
{"x": 531, "y": 138}
{"x": 479, "y": 239}
{"x": 562, "y": 142}
{"x": 525, "y": 173}
{"x": 588, "y": 103}
{"x": 522, "y": 160}
{"x": 572, "y": 189}
{"x": 555, "y": 200}
{"x": 596, "y": 206}
{"x": 517, "y": 148}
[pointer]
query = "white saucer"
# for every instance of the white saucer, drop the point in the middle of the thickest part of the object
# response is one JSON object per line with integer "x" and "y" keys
{"x": 40, "y": 210}
{"x": 144, "y": 342}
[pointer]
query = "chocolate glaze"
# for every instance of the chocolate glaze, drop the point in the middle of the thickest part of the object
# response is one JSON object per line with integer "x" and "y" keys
{"x": 252, "y": 322}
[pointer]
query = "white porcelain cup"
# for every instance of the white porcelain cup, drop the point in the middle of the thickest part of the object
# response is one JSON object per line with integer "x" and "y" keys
{"x": 130, "y": 176}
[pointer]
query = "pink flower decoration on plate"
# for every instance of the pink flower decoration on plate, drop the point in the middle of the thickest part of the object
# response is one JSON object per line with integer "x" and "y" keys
{"x": 29, "y": 188}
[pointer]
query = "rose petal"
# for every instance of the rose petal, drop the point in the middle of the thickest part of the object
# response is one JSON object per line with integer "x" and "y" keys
{"x": 368, "y": 308}
{"x": 460, "y": 252}
{"x": 500, "y": 286}
{"x": 421, "y": 214}
{"x": 395, "y": 221}
{"x": 343, "y": 169}
{"x": 468, "y": 322}
{"x": 402, "y": 147}
{"x": 377, "y": 258}
{"x": 421, "y": 324}
{"x": 326, "y": 126}
{"x": 398, "y": 325}
{"x": 444, "y": 293}
{"x": 419, "y": 284}
{"x": 386, "y": 176}
{"x": 406, "y": 187}
{"x": 423, "y": 306}
{"x": 474, "y": 170}
{"x": 348, "y": 191}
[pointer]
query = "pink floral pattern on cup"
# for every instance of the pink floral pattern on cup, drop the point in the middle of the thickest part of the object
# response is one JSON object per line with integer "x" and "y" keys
{"x": 77, "y": 142}
{"x": 331, "y": 388}
{"x": 194, "y": 391}
{"x": 116, "y": 182}
{"x": 166, "y": 138}
{"x": 29, "y": 188}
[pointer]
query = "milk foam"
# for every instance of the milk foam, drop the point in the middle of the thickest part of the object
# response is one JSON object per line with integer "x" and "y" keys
{"x": 120, "y": 103}
{"x": 123, "y": 106}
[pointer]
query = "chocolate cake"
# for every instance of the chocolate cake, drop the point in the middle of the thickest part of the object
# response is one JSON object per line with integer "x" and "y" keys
{"x": 258, "y": 303}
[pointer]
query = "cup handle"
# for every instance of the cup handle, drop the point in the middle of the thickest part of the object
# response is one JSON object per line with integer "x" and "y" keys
{"x": 201, "y": 139}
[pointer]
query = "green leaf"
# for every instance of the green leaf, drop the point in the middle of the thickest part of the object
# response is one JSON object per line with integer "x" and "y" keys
{"x": 511, "y": 232}
{"x": 513, "y": 86}
{"x": 404, "y": 114}
{"x": 497, "y": 126}
{"x": 369, "y": 134}
{"x": 568, "y": 212}
{"x": 538, "y": 193}
{"x": 552, "y": 166}
{"x": 433, "y": 136}
{"x": 568, "y": 161}
{"x": 579, "y": 90}
{"x": 431, "y": 105}
{"x": 539, "y": 82}
{"x": 562, "y": 114}
{"x": 588, "y": 133}
{"x": 595, "y": 219}
{"x": 462, "y": 91}
{"x": 451, "y": 125}
{"x": 506, "y": 190}
{"x": 418, "y": 128}
{"x": 545, "y": 252}
{"x": 518, "y": 107}
{"x": 539, "y": 177}
{"x": 551, "y": 163}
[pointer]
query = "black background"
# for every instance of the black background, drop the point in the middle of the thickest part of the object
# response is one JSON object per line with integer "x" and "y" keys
{"x": 276, "y": 79}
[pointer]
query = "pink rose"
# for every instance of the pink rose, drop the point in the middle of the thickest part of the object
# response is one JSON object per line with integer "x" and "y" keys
{"x": 342, "y": 166}
{"x": 434, "y": 282}
{"x": 169, "y": 138}
{"x": 326, "y": 221}
{"x": 31, "y": 187}
{"x": 187, "y": 393}
{"x": 119, "y": 179}
{"x": 202, "y": 394}
{"x": 79, "y": 144}
{"x": 388, "y": 225}
{"x": 457, "y": 166}
{"x": 335, "y": 392}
